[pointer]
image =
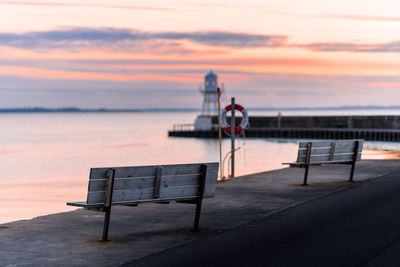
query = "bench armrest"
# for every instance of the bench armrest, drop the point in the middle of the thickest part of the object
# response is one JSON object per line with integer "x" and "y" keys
{"x": 83, "y": 204}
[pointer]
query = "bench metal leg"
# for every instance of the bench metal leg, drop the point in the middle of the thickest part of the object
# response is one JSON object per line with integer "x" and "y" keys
{"x": 306, "y": 175}
{"x": 197, "y": 216}
{"x": 199, "y": 199}
{"x": 353, "y": 164}
{"x": 308, "y": 156}
{"x": 108, "y": 203}
{"x": 352, "y": 172}
{"x": 106, "y": 225}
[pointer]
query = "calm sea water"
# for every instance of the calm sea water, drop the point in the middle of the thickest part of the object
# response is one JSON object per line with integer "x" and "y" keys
{"x": 45, "y": 157}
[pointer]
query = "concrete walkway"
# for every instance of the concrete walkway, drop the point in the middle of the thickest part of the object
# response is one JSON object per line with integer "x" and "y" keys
{"x": 354, "y": 227}
{"x": 70, "y": 238}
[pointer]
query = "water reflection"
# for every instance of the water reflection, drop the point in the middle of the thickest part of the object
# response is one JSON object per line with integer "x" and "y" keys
{"x": 46, "y": 158}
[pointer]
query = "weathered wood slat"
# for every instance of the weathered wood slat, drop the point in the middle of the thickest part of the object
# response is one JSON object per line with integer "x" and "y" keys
{"x": 182, "y": 182}
{"x": 78, "y": 204}
{"x": 326, "y": 158}
{"x": 147, "y": 194}
{"x": 339, "y": 143}
{"x": 327, "y": 150}
{"x": 149, "y": 171}
{"x": 141, "y": 183}
{"x": 84, "y": 204}
{"x": 350, "y": 145}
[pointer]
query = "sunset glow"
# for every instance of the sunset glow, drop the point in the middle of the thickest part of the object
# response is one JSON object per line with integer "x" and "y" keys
{"x": 306, "y": 54}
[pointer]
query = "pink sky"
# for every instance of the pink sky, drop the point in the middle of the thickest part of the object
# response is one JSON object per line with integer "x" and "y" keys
{"x": 132, "y": 54}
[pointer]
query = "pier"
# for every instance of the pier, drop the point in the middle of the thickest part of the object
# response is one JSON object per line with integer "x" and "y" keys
{"x": 370, "y": 128}
{"x": 140, "y": 234}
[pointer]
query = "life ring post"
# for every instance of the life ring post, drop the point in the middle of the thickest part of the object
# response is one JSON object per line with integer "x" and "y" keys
{"x": 231, "y": 128}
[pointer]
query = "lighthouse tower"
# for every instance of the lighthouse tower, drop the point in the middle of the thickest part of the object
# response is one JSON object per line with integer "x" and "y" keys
{"x": 210, "y": 100}
{"x": 209, "y": 108}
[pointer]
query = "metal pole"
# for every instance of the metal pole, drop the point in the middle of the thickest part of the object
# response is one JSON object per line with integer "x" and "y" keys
{"x": 309, "y": 147}
{"x": 220, "y": 133}
{"x": 108, "y": 203}
{"x": 233, "y": 126}
{"x": 355, "y": 156}
{"x": 200, "y": 197}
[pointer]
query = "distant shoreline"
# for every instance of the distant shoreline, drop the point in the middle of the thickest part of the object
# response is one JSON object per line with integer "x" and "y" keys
{"x": 78, "y": 110}
{"x": 105, "y": 110}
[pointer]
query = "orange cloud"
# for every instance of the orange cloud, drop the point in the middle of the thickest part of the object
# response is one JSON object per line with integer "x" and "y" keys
{"x": 56, "y": 74}
{"x": 60, "y": 4}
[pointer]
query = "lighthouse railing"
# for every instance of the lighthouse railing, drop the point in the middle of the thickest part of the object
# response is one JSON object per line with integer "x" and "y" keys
{"x": 183, "y": 127}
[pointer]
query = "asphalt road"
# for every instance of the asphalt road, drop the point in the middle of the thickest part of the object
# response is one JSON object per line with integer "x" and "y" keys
{"x": 359, "y": 226}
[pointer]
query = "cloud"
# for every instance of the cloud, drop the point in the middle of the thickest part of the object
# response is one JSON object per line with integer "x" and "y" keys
{"x": 206, "y": 62}
{"x": 100, "y": 37}
{"x": 60, "y": 4}
{"x": 363, "y": 17}
{"x": 229, "y": 39}
{"x": 118, "y": 39}
{"x": 352, "y": 47}
{"x": 236, "y": 68}
{"x": 310, "y": 93}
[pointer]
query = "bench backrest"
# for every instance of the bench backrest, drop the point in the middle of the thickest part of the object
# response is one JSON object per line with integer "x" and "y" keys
{"x": 147, "y": 183}
{"x": 340, "y": 151}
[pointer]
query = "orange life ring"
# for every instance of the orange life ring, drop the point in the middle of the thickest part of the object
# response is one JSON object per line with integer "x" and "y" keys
{"x": 238, "y": 129}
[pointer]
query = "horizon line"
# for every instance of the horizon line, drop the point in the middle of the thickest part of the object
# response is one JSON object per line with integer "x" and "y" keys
{"x": 170, "y": 109}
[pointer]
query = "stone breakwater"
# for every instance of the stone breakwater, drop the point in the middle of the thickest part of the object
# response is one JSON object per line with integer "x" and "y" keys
{"x": 371, "y": 128}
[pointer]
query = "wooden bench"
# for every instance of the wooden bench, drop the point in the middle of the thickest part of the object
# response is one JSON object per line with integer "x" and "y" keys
{"x": 325, "y": 152}
{"x": 130, "y": 186}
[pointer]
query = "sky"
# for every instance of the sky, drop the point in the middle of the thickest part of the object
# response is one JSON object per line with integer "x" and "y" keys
{"x": 155, "y": 53}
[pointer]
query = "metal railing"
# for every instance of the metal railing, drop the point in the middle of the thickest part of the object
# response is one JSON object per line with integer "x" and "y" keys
{"x": 183, "y": 127}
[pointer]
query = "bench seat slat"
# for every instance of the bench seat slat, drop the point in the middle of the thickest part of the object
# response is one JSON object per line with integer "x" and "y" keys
{"x": 339, "y": 143}
{"x": 177, "y": 181}
{"x": 147, "y": 193}
{"x": 336, "y": 155}
{"x": 326, "y": 158}
{"x": 327, "y": 150}
{"x": 141, "y": 183}
{"x": 80, "y": 204}
{"x": 318, "y": 163}
{"x": 149, "y": 171}
{"x": 84, "y": 204}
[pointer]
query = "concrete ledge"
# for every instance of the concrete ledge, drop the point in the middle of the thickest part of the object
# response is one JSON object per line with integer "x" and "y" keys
{"x": 70, "y": 238}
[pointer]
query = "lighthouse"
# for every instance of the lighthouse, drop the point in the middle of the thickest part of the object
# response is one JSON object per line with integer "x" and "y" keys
{"x": 209, "y": 108}
{"x": 210, "y": 95}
